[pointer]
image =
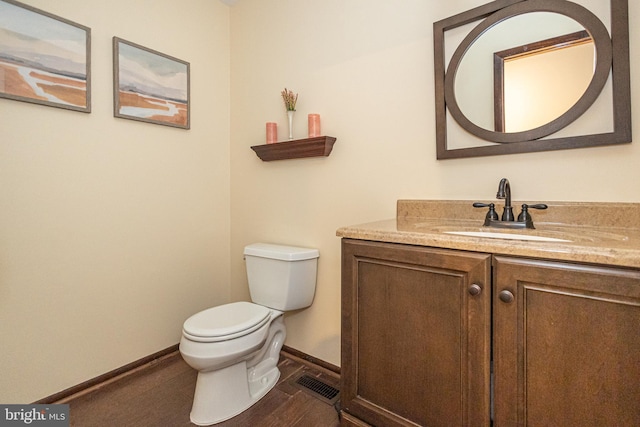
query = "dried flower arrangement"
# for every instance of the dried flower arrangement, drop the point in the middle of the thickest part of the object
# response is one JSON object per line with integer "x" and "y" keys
{"x": 289, "y": 99}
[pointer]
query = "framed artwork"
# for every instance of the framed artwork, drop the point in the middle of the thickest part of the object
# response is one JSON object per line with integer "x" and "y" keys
{"x": 149, "y": 86}
{"x": 44, "y": 59}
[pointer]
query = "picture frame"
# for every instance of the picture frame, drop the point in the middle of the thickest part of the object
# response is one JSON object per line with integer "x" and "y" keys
{"x": 44, "y": 58}
{"x": 150, "y": 86}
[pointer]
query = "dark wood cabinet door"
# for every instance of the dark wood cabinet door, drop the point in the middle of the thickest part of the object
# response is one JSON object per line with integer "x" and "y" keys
{"x": 566, "y": 344}
{"x": 415, "y": 335}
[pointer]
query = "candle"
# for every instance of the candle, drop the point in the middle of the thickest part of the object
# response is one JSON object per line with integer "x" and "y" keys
{"x": 272, "y": 132}
{"x": 314, "y": 125}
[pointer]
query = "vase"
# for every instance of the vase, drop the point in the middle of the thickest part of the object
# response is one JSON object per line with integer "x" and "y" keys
{"x": 290, "y": 116}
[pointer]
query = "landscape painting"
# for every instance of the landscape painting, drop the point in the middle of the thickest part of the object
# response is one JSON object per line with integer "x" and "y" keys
{"x": 150, "y": 86}
{"x": 44, "y": 59}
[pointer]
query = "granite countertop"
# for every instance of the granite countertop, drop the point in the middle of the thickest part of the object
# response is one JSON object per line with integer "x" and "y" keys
{"x": 598, "y": 233}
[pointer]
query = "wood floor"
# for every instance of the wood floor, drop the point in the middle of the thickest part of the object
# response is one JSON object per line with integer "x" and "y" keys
{"x": 161, "y": 395}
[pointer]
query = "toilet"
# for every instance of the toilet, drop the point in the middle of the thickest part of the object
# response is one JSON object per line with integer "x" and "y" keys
{"x": 235, "y": 347}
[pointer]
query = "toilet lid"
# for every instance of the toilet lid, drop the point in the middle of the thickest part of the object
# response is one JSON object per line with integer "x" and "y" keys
{"x": 226, "y": 321}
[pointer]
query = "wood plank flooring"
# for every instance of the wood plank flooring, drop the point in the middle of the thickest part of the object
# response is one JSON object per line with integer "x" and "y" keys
{"x": 161, "y": 395}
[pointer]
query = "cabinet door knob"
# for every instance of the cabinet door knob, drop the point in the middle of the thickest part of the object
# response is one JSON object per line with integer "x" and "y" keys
{"x": 475, "y": 289}
{"x": 506, "y": 296}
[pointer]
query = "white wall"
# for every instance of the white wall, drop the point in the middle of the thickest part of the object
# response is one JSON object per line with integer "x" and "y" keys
{"x": 112, "y": 231}
{"x": 367, "y": 68}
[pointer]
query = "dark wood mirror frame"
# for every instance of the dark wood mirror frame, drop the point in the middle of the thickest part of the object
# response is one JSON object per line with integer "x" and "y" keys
{"x": 612, "y": 54}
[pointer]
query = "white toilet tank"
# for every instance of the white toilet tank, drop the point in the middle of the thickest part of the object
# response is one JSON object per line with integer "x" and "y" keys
{"x": 281, "y": 277}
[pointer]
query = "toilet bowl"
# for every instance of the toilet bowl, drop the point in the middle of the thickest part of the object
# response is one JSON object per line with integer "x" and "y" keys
{"x": 236, "y": 347}
{"x": 233, "y": 373}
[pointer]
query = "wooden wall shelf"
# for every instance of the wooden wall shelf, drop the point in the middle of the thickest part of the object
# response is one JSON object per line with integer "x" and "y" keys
{"x": 320, "y": 146}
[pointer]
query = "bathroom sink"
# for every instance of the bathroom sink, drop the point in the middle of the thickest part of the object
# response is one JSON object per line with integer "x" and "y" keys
{"x": 509, "y": 236}
{"x": 551, "y": 233}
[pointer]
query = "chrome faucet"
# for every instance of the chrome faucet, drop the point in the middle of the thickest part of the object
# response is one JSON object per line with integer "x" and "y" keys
{"x": 504, "y": 192}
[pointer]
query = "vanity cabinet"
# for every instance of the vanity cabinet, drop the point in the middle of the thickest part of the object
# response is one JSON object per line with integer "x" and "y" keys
{"x": 415, "y": 335}
{"x": 422, "y": 326}
{"x": 566, "y": 344}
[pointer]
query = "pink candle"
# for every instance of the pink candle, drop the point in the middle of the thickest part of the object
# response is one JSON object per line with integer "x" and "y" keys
{"x": 314, "y": 125}
{"x": 272, "y": 132}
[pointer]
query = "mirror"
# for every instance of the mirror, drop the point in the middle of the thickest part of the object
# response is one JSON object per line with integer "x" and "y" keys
{"x": 481, "y": 99}
{"x": 535, "y": 83}
{"x": 536, "y": 45}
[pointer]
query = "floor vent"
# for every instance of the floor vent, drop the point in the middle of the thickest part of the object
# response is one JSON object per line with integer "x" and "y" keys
{"x": 318, "y": 388}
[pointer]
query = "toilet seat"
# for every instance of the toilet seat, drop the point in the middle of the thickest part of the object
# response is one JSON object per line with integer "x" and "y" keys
{"x": 226, "y": 322}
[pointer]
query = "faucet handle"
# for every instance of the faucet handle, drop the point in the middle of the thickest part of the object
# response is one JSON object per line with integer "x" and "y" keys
{"x": 482, "y": 205}
{"x": 538, "y": 206}
{"x": 492, "y": 215}
{"x": 526, "y": 217}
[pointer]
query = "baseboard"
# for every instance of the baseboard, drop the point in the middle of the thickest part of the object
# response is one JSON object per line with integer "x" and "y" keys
{"x": 76, "y": 391}
{"x": 307, "y": 359}
{"x": 112, "y": 376}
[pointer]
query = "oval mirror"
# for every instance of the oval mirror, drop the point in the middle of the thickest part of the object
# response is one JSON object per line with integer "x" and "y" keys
{"x": 564, "y": 48}
{"x": 525, "y": 72}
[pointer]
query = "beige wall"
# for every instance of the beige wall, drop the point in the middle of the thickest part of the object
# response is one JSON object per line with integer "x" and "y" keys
{"x": 112, "y": 231}
{"x": 367, "y": 68}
